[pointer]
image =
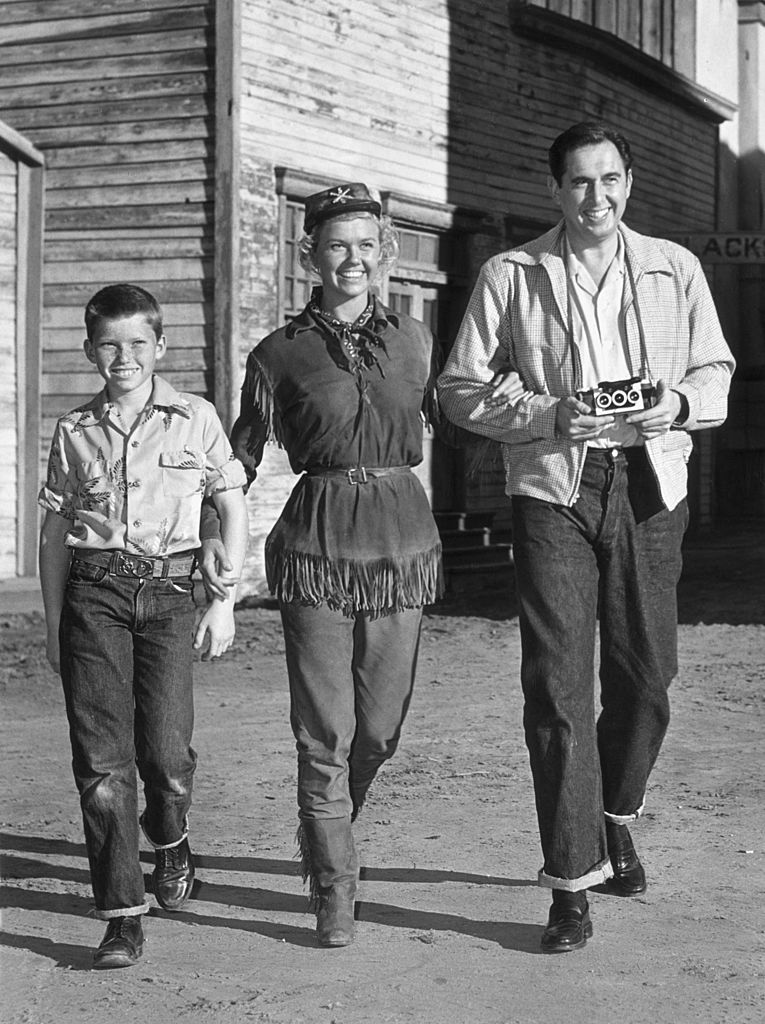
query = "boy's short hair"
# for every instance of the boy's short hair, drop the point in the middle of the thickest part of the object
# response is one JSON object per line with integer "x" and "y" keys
{"x": 117, "y": 301}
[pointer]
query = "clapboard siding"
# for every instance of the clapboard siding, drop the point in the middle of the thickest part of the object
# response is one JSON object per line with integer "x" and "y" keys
{"x": 71, "y": 318}
{"x": 444, "y": 102}
{"x": 129, "y": 18}
{"x": 118, "y": 95}
{"x": 48, "y": 96}
{"x": 179, "y": 48}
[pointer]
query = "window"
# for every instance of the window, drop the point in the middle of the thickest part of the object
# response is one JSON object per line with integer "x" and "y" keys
{"x": 296, "y": 282}
{"x": 294, "y": 285}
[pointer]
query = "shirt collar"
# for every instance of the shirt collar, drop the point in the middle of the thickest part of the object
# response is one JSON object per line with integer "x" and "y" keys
{"x": 163, "y": 396}
{"x": 578, "y": 272}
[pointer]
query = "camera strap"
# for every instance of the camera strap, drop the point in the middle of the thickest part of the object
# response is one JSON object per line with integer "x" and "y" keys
{"x": 645, "y": 371}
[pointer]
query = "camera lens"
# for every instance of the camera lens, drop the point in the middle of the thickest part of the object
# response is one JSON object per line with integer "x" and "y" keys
{"x": 619, "y": 398}
{"x": 603, "y": 400}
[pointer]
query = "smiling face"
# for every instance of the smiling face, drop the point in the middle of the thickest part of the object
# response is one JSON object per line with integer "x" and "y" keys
{"x": 347, "y": 258}
{"x": 593, "y": 194}
{"x": 124, "y": 352}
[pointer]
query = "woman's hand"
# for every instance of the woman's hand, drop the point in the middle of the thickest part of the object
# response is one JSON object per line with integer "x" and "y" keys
{"x": 507, "y": 389}
{"x": 216, "y": 630}
{"x": 52, "y": 651}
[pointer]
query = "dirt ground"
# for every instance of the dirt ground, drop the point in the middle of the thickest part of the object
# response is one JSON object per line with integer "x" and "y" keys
{"x": 450, "y": 917}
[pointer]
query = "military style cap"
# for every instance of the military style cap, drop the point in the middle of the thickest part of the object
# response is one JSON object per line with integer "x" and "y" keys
{"x": 353, "y": 197}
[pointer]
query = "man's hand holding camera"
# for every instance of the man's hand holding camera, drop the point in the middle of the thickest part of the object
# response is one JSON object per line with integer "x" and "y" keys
{"x": 668, "y": 407}
{"x": 577, "y": 420}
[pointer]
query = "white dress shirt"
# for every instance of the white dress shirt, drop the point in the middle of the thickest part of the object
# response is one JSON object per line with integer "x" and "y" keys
{"x": 599, "y": 334}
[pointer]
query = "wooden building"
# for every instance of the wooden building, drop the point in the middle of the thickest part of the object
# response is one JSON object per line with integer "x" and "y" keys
{"x": 171, "y": 143}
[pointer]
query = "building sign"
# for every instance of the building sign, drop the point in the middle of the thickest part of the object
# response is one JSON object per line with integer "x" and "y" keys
{"x": 725, "y": 247}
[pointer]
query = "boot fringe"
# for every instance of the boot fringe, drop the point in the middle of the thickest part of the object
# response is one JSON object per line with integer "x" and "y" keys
{"x": 306, "y": 870}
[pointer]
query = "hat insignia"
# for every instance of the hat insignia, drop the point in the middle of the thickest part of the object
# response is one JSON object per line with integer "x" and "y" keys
{"x": 340, "y": 194}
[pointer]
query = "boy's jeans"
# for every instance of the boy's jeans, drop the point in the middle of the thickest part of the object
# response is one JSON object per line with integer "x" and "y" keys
{"x": 614, "y": 555}
{"x": 126, "y": 666}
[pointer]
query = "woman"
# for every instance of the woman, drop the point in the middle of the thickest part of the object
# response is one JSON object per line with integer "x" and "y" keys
{"x": 355, "y": 553}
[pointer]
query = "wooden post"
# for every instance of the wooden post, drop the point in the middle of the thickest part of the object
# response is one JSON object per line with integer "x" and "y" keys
{"x": 227, "y": 205}
{"x": 28, "y": 361}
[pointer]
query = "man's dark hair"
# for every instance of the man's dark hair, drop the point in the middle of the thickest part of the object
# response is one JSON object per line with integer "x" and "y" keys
{"x": 117, "y": 301}
{"x": 586, "y": 133}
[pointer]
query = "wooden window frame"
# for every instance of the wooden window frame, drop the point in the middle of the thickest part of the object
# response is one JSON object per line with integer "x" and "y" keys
{"x": 291, "y": 186}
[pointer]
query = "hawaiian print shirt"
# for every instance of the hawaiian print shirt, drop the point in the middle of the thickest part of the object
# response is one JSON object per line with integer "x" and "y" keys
{"x": 139, "y": 490}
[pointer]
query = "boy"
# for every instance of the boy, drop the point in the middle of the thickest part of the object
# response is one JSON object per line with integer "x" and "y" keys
{"x": 126, "y": 478}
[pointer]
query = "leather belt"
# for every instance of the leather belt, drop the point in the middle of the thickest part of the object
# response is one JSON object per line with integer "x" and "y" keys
{"x": 358, "y": 474}
{"x": 122, "y": 563}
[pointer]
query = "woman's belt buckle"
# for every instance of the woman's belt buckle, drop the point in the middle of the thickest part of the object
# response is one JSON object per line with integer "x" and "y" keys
{"x": 357, "y": 475}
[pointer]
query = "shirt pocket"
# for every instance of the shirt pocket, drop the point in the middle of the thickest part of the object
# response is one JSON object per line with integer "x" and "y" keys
{"x": 183, "y": 472}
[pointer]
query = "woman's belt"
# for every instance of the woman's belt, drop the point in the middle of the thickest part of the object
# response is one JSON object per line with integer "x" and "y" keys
{"x": 358, "y": 474}
{"x": 122, "y": 563}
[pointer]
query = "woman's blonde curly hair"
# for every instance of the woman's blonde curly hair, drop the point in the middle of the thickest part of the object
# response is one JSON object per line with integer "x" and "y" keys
{"x": 388, "y": 242}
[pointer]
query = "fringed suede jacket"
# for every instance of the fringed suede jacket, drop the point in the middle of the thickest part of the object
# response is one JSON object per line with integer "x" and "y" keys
{"x": 347, "y": 403}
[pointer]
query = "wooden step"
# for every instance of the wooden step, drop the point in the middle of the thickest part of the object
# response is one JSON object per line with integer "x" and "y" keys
{"x": 448, "y": 521}
{"x": 473, "y": 538}
{"x": 499, "y": 555}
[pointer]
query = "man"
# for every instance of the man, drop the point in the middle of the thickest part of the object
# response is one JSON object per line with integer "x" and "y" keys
{"x": 598, "y": 495}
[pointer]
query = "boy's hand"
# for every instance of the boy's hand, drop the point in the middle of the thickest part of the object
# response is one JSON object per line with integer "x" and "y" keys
{"x": 216, "y": 630}
{"x": 213, "y": 562}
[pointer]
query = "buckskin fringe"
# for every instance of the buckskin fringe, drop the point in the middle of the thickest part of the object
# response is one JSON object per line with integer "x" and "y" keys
{"x": 375, "y": 587}
{"x": 259, "y": 395}
{"x": 304, "y": 852}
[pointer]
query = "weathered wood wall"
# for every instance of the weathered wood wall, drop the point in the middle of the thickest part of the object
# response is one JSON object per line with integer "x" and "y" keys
{"x": 443, "y": 102}
{"x": 117, "y": 94}
{"x": 8, "y": 383}
{"x": 664, "y": 29}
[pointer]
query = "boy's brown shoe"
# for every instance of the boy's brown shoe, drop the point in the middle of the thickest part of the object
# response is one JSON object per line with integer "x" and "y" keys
{"x": 173, "y": 876}
{"x": 122, "y": 944}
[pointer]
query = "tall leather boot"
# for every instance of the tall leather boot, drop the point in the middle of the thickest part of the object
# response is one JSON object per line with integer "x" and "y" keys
{"x": 330, "y": 863}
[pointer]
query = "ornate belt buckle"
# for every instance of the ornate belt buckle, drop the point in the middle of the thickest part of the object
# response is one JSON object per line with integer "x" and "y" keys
{"x": 140, "y": 567}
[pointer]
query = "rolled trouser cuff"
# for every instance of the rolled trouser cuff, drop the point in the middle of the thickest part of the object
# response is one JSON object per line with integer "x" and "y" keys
{"x": 597, "y": 876}
{"x": 107, "y": 915}
{"x": 164, "y": 846}
{"x": 624, "y": 819}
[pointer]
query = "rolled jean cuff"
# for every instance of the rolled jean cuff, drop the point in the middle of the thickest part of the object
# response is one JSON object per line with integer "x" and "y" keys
{"x": 625, "y": 819}
{"x": 164, "y": 846}
{"x": 107, "y": 915}
{"x": 597, "y": 876}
